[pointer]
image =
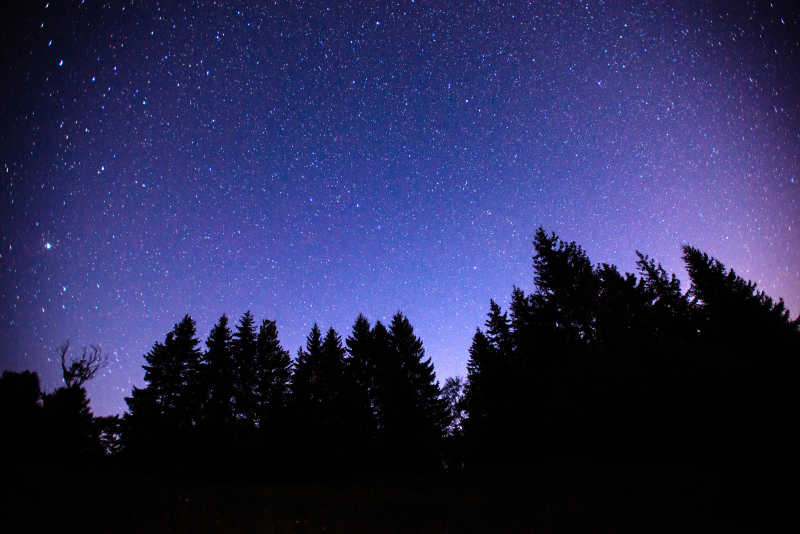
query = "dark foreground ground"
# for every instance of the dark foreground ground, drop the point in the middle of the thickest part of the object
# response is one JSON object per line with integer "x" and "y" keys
{"x": 561, "y": 495}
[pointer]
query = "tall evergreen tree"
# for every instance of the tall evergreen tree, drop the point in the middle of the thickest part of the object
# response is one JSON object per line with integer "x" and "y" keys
{"x": 244, "y": 349}
{"x": 187, "y": 352}
{"x": 668, "y": 310}
{"x": 273, "y": 375}
{"x": 747, "y": 340}
{"x": 482, "y": 394}
{"x": 418, "y": 416}
{"x": 219, "y": 377}
{"x": 167, "y": 409}
{"x": 332, "y": 376}
{"x": 361, "y": 372}
{"x": 566, "y": 286}
{"x": 171, "y": 370}
{"x": 498, "y": 330}
{"x": 306, "y": 375}
{"x": 305, "y": 392}
{"x": 618, "y": 305}
{"x": 318, "y": 379}
{"x": 335, "y": 390}
{"x": 732, "y": 308}
{"x": 503, "y": 391}
{"x": 382, "y": 396}
{"x": 317, "y": 385}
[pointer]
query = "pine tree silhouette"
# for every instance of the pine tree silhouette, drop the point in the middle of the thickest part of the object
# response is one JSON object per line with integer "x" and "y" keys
{"x": 745, "y": 338}
{"x": 163, "y": 414}
{"x": 361, "y": 395}
{"x": 414, "y": 413}
{"x": 244, "y": 349}
{"x": 273, "y": 376}
{"x": 219, "y": 379}
{"x": 306, "y": 376}
{"x": 591, "y": 352}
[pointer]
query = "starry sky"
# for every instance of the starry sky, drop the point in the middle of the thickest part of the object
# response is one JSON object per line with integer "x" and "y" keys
{"x": 312, "y": 160}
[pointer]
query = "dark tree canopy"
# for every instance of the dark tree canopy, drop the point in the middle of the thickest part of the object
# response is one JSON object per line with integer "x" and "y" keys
{"x": 218, "y": 377}
{"x": 244, "y": 350}
{"x": 591, "y": 362}
{"x": 20, "y": 413}
{"x": 163, "y": 413}
{"x": 655, "y": 370}
{"x": 414, "y": 413}
{"x": 361, "y": 369}
{"x": 56, "y": 426}
{"x": 272, "y": 376}
{"x": 70, "y": 426}
{"x": 307, "y": 373}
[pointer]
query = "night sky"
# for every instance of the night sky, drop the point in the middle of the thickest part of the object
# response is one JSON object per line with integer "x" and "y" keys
{"x": 312, "y": 160}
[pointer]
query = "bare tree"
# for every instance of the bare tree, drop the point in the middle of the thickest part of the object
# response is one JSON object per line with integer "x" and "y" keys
{"x": 78, "y": 372}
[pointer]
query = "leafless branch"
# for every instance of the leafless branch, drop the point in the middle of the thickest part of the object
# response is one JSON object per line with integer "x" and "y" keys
{"x": 78, "y": 372}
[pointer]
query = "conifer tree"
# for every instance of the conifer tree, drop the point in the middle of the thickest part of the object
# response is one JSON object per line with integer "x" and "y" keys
{"x": 382, "y": 396}
{"x": 498, "y": 330}
{"x": 746, "y": 341}
{"x": 219, "y": 375}
{"x": 481, "y": 390}
{"x": 316, "y": 383}
{"x": 732, "y": 308}
{"x": 273, "y": 375}
{"x": 566, "y": 286}
{"x": 171, "y": 370}
{"x": 332, "y": 375}
{"x": 418, "y": 415}
{"x": 244, "y": 348}
{"x": 167, "y": 409}
{"x": 306, "y": 375}
{"x": 668, "y": 310}
{"x": 361, "y": 371}
{"x": 621, "y": 311}
{"x": 319, "y": 377}
{"x": 187, "y": 352}
{"x": 502, "y": 391}
{"x": 161, "y": 375}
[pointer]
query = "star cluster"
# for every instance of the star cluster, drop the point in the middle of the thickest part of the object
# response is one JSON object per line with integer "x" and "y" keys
{"x": 312, "y": 160}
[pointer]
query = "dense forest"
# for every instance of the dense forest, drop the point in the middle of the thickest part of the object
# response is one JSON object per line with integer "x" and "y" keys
{"x": 592, "y": 363}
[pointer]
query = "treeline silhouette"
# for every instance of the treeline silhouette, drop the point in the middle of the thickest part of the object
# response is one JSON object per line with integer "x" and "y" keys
{"x": 370, "y": 402}
{"x": 592, "y": 362}
{"x": 598, "y": 363}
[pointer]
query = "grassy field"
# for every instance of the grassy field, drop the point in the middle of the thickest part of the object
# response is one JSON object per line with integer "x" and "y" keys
{"x": 565, "y": 495}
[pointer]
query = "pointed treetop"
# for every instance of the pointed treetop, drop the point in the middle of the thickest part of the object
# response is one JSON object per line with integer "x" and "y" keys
{"x": 314, "y": 339}
{"x": 360, "y": 336}
{"x": 246, "y": 330}
{"x": 220, "y": 333}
